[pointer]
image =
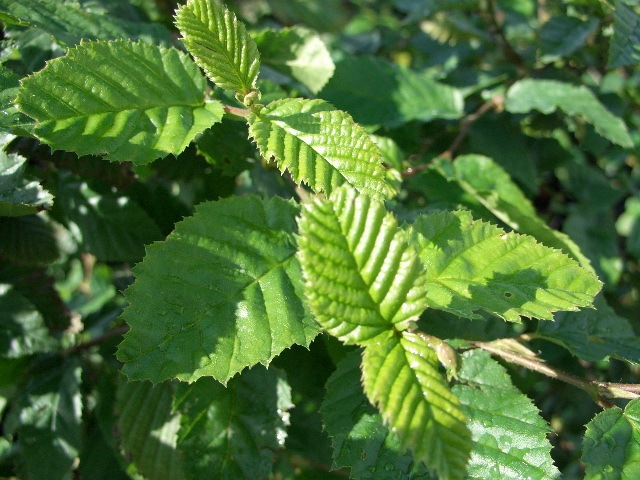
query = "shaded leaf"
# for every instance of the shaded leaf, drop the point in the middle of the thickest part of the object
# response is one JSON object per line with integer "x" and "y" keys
{"x": 628, "y": 225}
{"x": 10, "y": 117}
{"x": 472, "y": 265}
{"x": 28, "y": 240}
{"x": 230, "y": 433}
{"x": 19, "y": 195}
{"x": 361, "y": 278}
{"x": 612, "y": 444}
{"x": 319, "y": 145}
{"x": 549, "y": 95}
{"x": 128, "y": 101}
{"x": 397, "y": 95}
{"x": 359, "y": 438}
{"x": 220, "y": 294}
{"x": 400, "y": 376}
{"x": 148, "y": 429}
{"x": 325, "y": 16}
{"x": 561, "y": 36}
{"x": 220, "y": 44}
{"x": 624, "y": 48}
{"x": 509, "y": 435}
{"x": 226, "y": 146}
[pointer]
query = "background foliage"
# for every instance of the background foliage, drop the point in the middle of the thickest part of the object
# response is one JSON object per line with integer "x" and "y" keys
{"x": 479, "y": 160}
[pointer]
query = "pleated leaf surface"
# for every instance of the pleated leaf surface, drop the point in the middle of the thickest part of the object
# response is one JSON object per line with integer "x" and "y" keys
{"x": 624, "y": 49}
{"x": 400, "y": 376}
{"x": 319, "y": 145}
{"x": 219, "y": 44}
{"x": 361, "y": 278}
{"x": 127, "y": 101}
{"x": 473, "y": 265}
{"x": 220, "y": 294}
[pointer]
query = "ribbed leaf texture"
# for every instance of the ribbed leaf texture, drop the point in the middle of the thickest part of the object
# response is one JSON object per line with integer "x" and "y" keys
{"x": 359, "y": 438}
{"x": 127, "y": 101}
{"x": 319, "y": 145}
{"x": 548, "y": 95}
{"x": 611, "y": 446}
{"x": 473, "y": 265}
{"x": 361, "y": 277}
{"x": 219, "y": 44}
{"x": 231, "y": 433}
{"x": 148, "y": 429}
{"x": 18, "y": 195}
{"x": 510, "y": 437}
{"x": 400, "y": 376}
{"x": 624, "y": 49}
{"x": 220, "y": 294}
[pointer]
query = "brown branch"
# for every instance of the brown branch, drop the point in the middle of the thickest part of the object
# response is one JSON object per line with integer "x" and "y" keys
{"x": 118, "y": 331}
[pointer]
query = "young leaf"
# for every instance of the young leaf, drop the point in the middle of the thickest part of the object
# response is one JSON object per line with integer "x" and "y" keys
{"x": 361, "y": 277}
{"x": 128, "y": 101}
{"x": 148, "y": 429}
{"x": 510, "y": 437}
{"x": 472, "y": 265}
{"x": 359, "y": 438}
{"x": 220, "y": 294}
{"x": 220, "y": 44}
{"x": 548, "y": 95}
{"x": 624, "y": 49}
{"x": 400, "y": 376}
{"x": 18, "y": 195}
{"x": 612, "y": 444}
{"x": 230, "y": 433}
{"x": 319, "y": 145}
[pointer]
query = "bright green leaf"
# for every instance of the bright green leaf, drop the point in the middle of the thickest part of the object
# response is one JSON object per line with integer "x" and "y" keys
{"x": 473, "y": 265}
{"x": 612, "y": 444}
{"x": 18, "y": 195}
{"x": 128, "y": 101}
{"x": 231, "y": 433}
{"x": 397, "y": 95}
{"x": 298, "y": 53}
{"x": 400, "y": 376}
{"x": 624, "y": 49}
{"x": 220, "y": 294}
{"x": 361, "y": 277}
{"x": 359, "y": 438}
{"x": 561, "y": 36}
{"x": 319, "y": 145}
{"x": 220, "y": 44}
{"x": 549, "y": 95}
{"x": 148, "y": 429}
{"x": 509, "y": 435}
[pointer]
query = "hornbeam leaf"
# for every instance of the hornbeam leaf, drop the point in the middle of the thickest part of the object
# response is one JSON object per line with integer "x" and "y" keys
{"x": 319, "y": 145}
{"x": 624, "y": 48}
{"x": 220, "y": 294}
{"x": 473, "y": 265}
{"x": 19, "y": 195}
{"x": 219, "y": 44}
{"x": 400, "y": 376}
{"x": 510, "y": 437}
{"x": 362, "y": 279}
{"x": 128, "y": 101}
{"x": 548, "y": 95}
{"x": 611, "y": 447}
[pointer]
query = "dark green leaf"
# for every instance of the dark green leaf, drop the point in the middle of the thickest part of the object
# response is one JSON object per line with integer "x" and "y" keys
{"x": 624, "y": 49}
{"x": 226, "y": 146}
{"x": 19, "y": 195}
{"x": 328, "y": 15}
{"x": 28, "y": 240}
{"x": 561, "y": 36}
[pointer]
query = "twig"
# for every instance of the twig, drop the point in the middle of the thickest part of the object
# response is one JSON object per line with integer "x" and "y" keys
{"x": 238, "y": 112}
{"x": 98, "y": 340}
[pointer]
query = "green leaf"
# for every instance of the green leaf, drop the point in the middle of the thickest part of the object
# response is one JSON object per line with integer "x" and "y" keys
{"x": 561, "y": 36}
{"x": 128, "y": 101}
{"x": 397, "y": 95}
{"x": 10, "y": 117}
{"x": 220, "y": 294}
{"x": 18, "y": 195}
{"x": 220, "y": 44}
{"x": 549, "y": 95}
{"x": 490, "y": 185}
{"x": 612, "y": 444}
{"x": 226, "y": 146}
{"x": 23, "y": 331}
{"x": 69, "y": 22}
{"x": 319, "y": 145}
{"x": 473, "y": 265}
{"x": 325, "y": 16}
{"x": 28, "y": 240}
{"x": 628, "y": 225}
{"x": 361, "y": 278}
{"x": 400, "y": 376}
{"x": 359, "y": 438}
{"x": 298, "y": 53}
{"x": 509, "y": 435}
{"x": 624, "y": 49}
{"x": 148, "y": 429}
{"x": 231, "y": 433}
{"x": 47, "y": 419}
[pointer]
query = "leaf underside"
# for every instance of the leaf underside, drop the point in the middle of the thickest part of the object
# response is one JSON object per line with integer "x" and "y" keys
{"x": 320, "y": 146}
{"x": 127, "y": 101}
{"x": 220, "y": 294}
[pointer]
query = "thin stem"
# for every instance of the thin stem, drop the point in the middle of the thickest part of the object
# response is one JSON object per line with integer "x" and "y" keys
{"x": 238, "y": 112}
{"x": 116, "y": 332}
